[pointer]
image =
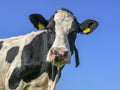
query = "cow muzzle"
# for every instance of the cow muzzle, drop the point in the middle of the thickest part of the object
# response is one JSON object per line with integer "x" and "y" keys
{"x": 59, "y": 56}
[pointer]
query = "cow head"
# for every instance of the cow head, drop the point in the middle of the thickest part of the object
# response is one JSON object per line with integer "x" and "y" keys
{"x": 64, "y": 28}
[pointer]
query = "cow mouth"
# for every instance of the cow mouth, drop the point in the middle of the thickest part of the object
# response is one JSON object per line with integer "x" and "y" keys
{"x": 59, "y": 63}
{"x": 59, "y": 60}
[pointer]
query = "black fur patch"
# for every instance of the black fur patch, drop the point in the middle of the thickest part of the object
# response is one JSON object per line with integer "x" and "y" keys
{"x": 34, "y": 58}
{"x": 11, "y": 54}
{"x": 1, "y": 42}
{"x": 14, "y": 79}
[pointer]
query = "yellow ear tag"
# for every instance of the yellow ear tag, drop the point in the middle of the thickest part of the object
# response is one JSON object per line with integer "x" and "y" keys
{"x": 87, "y": 30}
{"x": 40, "y": 26}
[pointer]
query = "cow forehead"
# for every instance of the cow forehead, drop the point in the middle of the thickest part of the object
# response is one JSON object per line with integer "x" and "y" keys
{"x": 63, "y": 21}
{"x": 63, "y": 14}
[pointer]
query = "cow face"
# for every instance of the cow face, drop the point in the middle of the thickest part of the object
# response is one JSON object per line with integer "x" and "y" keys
{"x": 65, "y": 28}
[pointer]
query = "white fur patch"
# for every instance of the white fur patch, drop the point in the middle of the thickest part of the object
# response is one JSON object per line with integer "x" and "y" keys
{"x": 42, "y": 83}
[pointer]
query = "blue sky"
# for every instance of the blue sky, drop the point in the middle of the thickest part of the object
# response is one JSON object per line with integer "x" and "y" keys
{"x": 99, "y": 52}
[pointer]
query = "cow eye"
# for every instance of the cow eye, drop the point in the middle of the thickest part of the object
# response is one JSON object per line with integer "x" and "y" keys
{"x": 73, "y": 32}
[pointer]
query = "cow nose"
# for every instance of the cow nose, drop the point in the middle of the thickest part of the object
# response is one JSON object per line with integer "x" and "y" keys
{"x": 59, "y": 54}
{"x": 58, "y": 58}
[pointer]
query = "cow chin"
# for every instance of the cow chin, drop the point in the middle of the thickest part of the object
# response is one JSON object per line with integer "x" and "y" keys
{"x": 60, "y": 63}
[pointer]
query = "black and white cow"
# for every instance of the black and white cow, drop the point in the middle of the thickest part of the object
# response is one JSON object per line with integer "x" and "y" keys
{"x": 34, "y": 61}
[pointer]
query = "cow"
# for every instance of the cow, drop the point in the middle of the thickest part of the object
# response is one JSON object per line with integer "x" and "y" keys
{"x": 34, "y": 61}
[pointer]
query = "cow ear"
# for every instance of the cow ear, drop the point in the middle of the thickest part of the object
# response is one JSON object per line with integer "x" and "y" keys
{"x": 38, "y": 21}
{"x": 88, "y": 26}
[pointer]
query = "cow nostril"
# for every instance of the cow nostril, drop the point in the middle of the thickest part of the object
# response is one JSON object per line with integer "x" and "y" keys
{"x": 65, "y": 54}
{"x": 54, "y": 52}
